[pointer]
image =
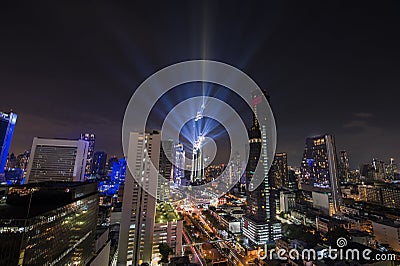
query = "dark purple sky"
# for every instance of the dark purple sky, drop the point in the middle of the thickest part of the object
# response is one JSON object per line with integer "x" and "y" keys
{"x": 329, "y": 67}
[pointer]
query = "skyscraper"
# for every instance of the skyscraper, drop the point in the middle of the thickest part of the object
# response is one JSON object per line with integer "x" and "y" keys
{"x": 110, "y": 162}
{"x": 57, "y": 160}
{"x": 259, "y": 223}
{"x": 179, "y": 167}
{"x": 22, "y": 160}
{"x": 145, "y": 223}
{"x": 118, "y": 172}
{"x": 344, "y": 167}
{"x": 319, "y": 173}
{"x": 279, "y": 171}
{"x": 292, "y": 180}
{"x": 91, "y": 138}
{"x": 197, "y": 175}
{"x": 48, "y": 223}
{"x": 7, "y": 124}
{"x": 391, "y": 169}
{"x": 98, "y": 167}
{"x": 139, "y": 203}
{"x": 197, "y": 161}
{"x": 165, "y": 169}
{"x": 11, "y": 161}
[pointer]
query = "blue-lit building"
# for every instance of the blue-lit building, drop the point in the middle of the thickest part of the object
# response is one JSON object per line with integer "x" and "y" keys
{"x": 111, "y": 186}
{"x": 119, "y": 171}
{"x": 7, "y": 124}
{"x": 99, "y": 164}
{"x": 14, "y": 176}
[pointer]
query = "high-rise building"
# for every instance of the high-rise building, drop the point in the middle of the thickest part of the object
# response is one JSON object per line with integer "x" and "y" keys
{"x": 287, "y": 201}
{"x": 23, "y": 160}
{"x": 118, "y": 172}
{"x": 367, "y": 172}
{"x": 165, "y": 169}
{"x": 179, "y": 166}
{"x": 319, "y": 173}
{"x": 380, "y": 169}
{"x": 145, "y": 223}
{"x": 11, "y": 161}
{"x": 197, "y": 174}
{"x": 259, "y": 223}
{"x": 99, "y": 164}
{"x": 57, "y": 160}
{"x": 91, "y": 138}
{"x": 278, "y": 172}
{"x": 110, "y": 163}
{"x": 292, "y": 179}
{"x": 7, "y": 124}
{"x": 391, "y": 169}
{"x": 344, "y": 167}
{"x": 49, "y": 223}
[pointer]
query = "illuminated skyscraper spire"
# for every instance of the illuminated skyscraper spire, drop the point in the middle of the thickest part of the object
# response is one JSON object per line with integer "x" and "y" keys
{"x": 197, "y": 174}
{"x": 259, "y": 222}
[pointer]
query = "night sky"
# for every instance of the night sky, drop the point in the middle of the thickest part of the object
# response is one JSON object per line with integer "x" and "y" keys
{"x": 328, "y": 67}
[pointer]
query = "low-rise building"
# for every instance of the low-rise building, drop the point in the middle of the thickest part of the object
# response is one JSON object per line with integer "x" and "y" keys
{"x": 387, "y": 232}
{"x": 231, "y": 224}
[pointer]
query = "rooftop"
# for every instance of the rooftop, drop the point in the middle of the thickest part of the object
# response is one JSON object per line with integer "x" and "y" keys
{"x": 27, "y": 201}
{"x": 165, "y": 212}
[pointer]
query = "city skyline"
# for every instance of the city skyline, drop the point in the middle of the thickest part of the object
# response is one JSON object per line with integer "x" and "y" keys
{"x": 354, "y": 165}
{"x": 298, "y": 54}
{"x": 199, "y": 133}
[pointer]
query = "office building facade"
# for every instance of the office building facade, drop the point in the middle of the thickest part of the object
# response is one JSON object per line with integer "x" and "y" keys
{"x": 139, "y": 203}
{"x": 165, "y": 170}
{"x": 91, "y": 138}
{"x": 278, "y": 172}
{"x": 57, "y": 160}
{"x": 49, "y": 223}
{"x": 319, "y": 173}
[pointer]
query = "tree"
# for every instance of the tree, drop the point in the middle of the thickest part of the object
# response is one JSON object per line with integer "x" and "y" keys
{"x": 187, "y": 252}
{"x": 165, "y": 250}
{"x": 334, "y": 234}
{"x": 300, "y": 232}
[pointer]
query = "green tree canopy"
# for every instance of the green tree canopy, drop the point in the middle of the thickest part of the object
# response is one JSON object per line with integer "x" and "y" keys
{"x": 165, "y": 250}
